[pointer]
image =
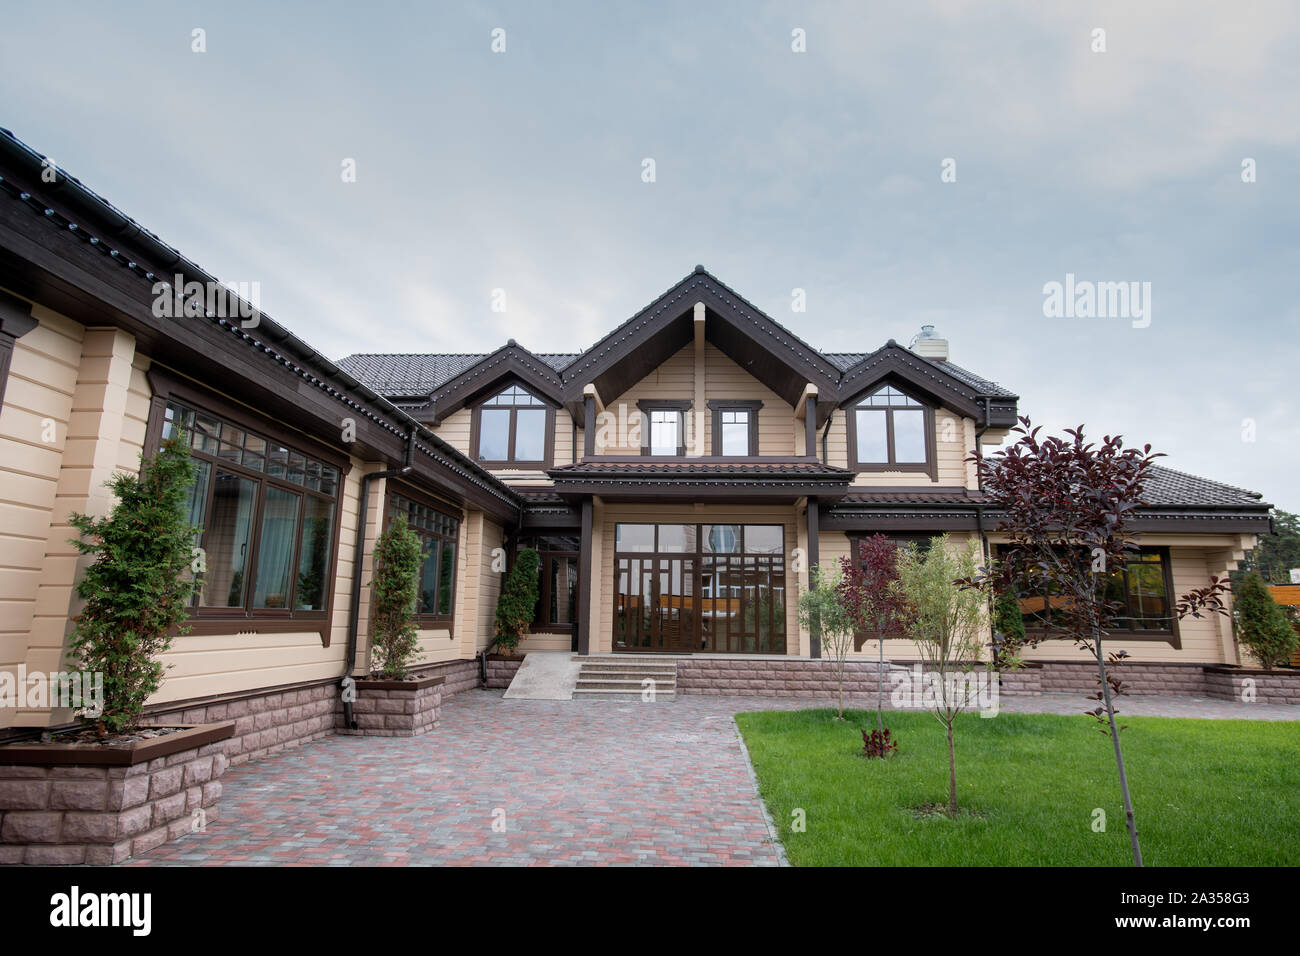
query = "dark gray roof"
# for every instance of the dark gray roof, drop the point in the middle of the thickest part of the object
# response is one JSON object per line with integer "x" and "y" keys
{"x": 410, "y": 374}
{"x": 846, "y": 360}
{"x": 1172, "y": 489}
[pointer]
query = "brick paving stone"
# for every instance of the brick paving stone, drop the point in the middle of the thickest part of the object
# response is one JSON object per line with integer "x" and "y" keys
{"x": 586, "y": 782}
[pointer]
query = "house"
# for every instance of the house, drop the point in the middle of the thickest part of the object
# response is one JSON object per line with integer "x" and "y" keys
{"x": 678, "y": 478}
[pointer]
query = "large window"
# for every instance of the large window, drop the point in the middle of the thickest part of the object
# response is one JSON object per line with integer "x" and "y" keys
{"x": 513, "y": 427}
{"x": 715, "y": 587}
{"x": 439, "y": 535}
{"x": 891, "y": 431}
{"x": 1140, "y": 590}
{"x": 735, "y": 428}
{"x": 267, "y": 513}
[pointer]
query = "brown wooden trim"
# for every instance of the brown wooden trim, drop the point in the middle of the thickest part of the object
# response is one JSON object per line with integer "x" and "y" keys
{"x": 16, "y": 320}
{"x": 585, "y": 571}
{"x": 718, "y": 406}
{"x": 814, "y": 560}
{"x": 548, "y": 442}
{"x": 485, "y": 378}
{"x": 123, "y": 755}
{"x": 647, "y": 405}
{"x": 588, "y": 426}
{"x": 364, "y": 684}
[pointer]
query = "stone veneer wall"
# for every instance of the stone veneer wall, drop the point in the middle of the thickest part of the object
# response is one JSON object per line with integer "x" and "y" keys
{"x": 459, "y": 675}
{"x": 1270, "y": 687}
{"x": 104, "y": 814}
{"x": 266, "y": 722}
{"x": 747, "y": 677}
{"x": 1080, "y": 677}
{"x": 501, "y": 672}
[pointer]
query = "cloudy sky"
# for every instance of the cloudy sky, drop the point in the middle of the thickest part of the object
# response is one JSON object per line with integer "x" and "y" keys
{"x": 820, "y": 170}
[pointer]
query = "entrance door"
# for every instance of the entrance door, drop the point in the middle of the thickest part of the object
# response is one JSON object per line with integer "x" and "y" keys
{"x": 656, "y": 606}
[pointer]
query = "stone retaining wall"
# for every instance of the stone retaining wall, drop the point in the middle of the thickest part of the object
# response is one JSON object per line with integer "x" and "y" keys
{"x": 91, "y": 814}
{"x": 776, "y": 678}
{"x": 265, "y": 722}
{"x": 501, "y": 672}
{"x": 1264, "y": 687}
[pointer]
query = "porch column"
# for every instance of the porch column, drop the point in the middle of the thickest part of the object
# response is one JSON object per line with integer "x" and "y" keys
{"x": 815, "y": 636}
{"x": 589, "y": 426}
{"x": 585, "y": 571}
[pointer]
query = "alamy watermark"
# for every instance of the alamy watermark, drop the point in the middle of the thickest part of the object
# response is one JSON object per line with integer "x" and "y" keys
{"x": 917, "y": 689}
{"x": 222, "y": 300}
{"x": 38, "y": 690}
{"x": 1084, "y": 299}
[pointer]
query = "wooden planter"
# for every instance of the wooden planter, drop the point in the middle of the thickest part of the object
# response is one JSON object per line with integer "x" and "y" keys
{"x": 394, "y": 708}
{"x": 86, "y": 803}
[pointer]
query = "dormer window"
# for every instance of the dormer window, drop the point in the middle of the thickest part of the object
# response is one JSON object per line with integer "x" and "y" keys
{"x": 891, "y": 431}
{"x": 513, "y": 429}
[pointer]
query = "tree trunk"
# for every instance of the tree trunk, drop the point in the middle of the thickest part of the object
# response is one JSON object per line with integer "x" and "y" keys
{"x": 841, "y": 681}
{"x": 952, "y": 774}
{"x": 1119, "y": 753}
{"x": 880, "y": 681}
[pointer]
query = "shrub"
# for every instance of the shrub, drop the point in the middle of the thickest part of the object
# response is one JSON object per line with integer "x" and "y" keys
{"x": 1009, "y": 631}
{"x": 138, "y": 587}
{"x": 878, "y": 743}
{"x": 1261, "y": 624}
{"x": 398, "y": 559}
{"x": 518, "y": 602}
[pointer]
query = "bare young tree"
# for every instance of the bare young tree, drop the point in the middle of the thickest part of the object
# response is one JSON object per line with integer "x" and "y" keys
{"x": 820, "y": 607}
{"x": 947, "y": 623}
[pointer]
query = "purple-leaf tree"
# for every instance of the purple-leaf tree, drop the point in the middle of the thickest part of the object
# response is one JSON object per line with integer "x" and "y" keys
{"x": 1066, "y": 503}
{"x": 869, "y": 592}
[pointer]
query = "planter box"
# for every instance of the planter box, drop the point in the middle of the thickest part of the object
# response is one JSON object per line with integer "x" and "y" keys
{"x": 394, "y": 708}
{"x": 84, "y": 803}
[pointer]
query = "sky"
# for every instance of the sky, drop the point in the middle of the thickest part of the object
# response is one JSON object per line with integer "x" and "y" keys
{"x": 900, "y": 163}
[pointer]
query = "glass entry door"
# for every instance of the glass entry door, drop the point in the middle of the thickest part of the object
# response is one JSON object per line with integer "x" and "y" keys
{"x": 655, "y": 606}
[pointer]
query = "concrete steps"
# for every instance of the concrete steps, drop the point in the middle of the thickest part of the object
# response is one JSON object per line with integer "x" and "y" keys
{"x": 624, "y": 677}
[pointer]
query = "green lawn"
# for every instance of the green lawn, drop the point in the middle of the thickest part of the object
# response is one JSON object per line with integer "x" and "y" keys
{"x": 1206, "y": 792}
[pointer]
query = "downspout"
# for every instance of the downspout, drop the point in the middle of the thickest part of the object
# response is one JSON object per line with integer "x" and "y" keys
{"x": 979, "y": 520}
{"x": 826, "y": 431}
{"x": 354, "y": 613}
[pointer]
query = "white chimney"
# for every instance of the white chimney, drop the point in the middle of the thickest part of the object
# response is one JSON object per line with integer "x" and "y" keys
{"x": 930, "y": 345}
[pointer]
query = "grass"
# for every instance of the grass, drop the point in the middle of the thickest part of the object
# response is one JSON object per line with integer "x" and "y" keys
{"x": 1205, "y": 792}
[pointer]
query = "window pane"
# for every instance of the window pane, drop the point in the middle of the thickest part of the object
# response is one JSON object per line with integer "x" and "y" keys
{"x": 196, "y": 501}
{"x": 665, "y": 432}
{"x": 226, "y": 540}
{"x": 446, "y": 577}
{"x": 909, "y": 436}
{"x": 634, "y": 537}
{"x": 763, "y": 538}
{"x": 494, "y": 434}
{"x": 275, "y": 548}
{"x": 872, "y": 447}
{"x": 722, "y": 538}
{"x": 314, "y": 555}
{"x": 428, "y": 600}
{"x": 530, "y": 434}
{"x": 735, "y": 433}
{"x": 677, "y": 538}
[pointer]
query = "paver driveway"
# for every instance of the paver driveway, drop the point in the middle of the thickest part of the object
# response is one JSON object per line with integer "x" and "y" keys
{"x": 580, "y": 782}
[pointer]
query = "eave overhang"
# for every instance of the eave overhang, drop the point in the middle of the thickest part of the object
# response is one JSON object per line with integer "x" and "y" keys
{"x": 511, "y": 362}
{"x": 892, "y": 364}
{"x": 751, "y": 481}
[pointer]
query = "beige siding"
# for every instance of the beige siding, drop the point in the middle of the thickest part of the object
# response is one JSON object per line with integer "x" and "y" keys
{"x": 455, "y": 430}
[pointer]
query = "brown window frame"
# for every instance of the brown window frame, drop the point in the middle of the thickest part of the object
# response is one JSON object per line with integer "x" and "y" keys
{"x": 647, "y": 405}
{"x": 928, "y": 467}
{"x": 542, "y": 625}
{"x": 1171, "y": 636}
{"x": 718, "y": 406}
{"x": 510, "y": 462}
{"x": 447, "y": 510}
{"x": 209, "y": 620}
